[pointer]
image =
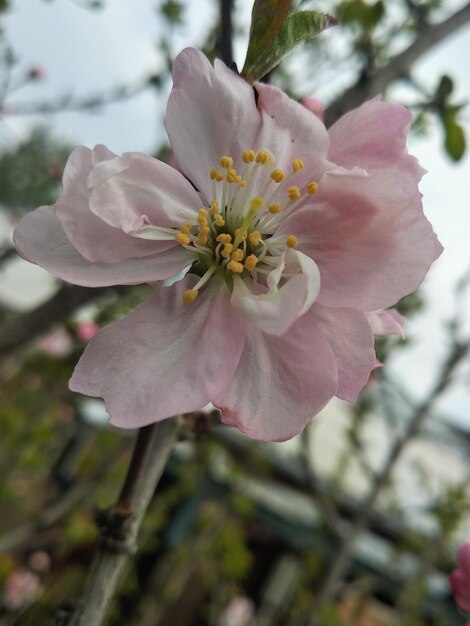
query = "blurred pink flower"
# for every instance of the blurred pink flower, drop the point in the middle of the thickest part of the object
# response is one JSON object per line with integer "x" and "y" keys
{"x": 39, "y": 561}
{"x": 460, "y": 578}
{"x": 315, "y": 106}
{"x": 86, "y": 330}
{"x": 301, "y": 231}
{"x": 21, "y": 589}
{"x": 57, "y": 343}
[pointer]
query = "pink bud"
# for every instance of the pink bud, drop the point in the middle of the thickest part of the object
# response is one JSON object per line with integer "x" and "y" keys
{"x": 39, "y": 561}
{"x": 315, "y": 106}
{"x": 21, "y": 589}
{"x": 86, "y": 330}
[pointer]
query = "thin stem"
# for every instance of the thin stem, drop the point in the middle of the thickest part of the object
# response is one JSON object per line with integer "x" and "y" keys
{"x": 226, "y": 34}
{"x": 120, "y": 524}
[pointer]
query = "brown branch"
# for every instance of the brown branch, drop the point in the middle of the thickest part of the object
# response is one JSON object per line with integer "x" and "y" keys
{"x": 24, "y": 328}
{"x": 69, "y": 103}
{"x": 398, "y": 67}
{"x": 121, "y": 523}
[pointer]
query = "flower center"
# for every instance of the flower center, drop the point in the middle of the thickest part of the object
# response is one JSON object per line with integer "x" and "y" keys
{"x": 236, "y": 234}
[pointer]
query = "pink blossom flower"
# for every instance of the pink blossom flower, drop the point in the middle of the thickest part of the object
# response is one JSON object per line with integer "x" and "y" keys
{"x": 21, "y": 589}
{"x": 460, "y": 578}
{"x": 86, "y": 330}
{"x": 285, "y": 235}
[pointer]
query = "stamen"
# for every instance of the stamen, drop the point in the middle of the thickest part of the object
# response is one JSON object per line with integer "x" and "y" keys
{"x": 183, "y": 239}
{"x": 216, "y": 175}
{"x": 312, "y": 187}
{"x": 251, "y": 262}
{"x": 190, "y": 295}
{"x": 226, "y": 162}
{"x": 186, "y": 228}
{"x": 227, "y": 251}
{"x": 248, "y": 156}
{"x": 256, "y": 204}
{"x": 219, "y": 220}
{"x": 254, "y": 237}
{"x": 293, "y": 193}
{"x": 214, "y": 207}
{"x": 262, "y": 157}
{"x": 235, "y": 267}
{"x": 237, "y": 255}
{"x": 291, "y": 241}
{"x": 232, "y": 175}
{"x": 275, "y": 208}
{"x": 297, "y": 164}
{"x": 277, "y": 175}
{"x": 224, "y": 238}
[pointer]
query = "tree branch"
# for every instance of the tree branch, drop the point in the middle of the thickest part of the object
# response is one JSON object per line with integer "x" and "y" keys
{"x": 121, "y": 523}
{"x": 398, "y": 67}
{"x": 341, "y": 561}
{"x": 23, "y": 328}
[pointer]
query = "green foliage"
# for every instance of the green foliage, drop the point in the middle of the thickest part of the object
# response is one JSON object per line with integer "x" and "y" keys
{"x": 267, "y": 17}
{"x": 360, "y": 13}
{"x": 454, "y": 135}
{"x": 172, "y": 11}
{"x": 30, "y": 173}
{"x": 298, "y": 28}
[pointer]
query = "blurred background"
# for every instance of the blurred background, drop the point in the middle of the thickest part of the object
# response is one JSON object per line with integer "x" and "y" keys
{"x": 355, "y": 522}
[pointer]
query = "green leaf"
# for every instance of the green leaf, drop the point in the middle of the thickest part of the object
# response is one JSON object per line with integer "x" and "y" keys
{"x": 455, "y": 142}
{"x": 267, "y": 17}
{"x": 445, "y": 87}
{"x": 298, "y": 28}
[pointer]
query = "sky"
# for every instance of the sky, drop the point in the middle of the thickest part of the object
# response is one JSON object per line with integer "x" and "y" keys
{"x": 84, "y": 52}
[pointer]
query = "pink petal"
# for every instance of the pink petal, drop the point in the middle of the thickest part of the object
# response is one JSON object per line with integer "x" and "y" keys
{"x": 460, "y": 584}
{"x": 291, "y": 132}
{"x": 373, "y": 136}
{"x": 275, "y": 311}
{"x": 135, "y": 189}
{"x": 93, "y": 238}
{"x": 164, "y": 359}
{"x": 40, "y": 239}
{"x": 352, "y": 342}
{"x": 385, "y": 323}
{"x": 211, "y": 112}
{"x": 281, "y": 382}
{"x": 368, "y": 236}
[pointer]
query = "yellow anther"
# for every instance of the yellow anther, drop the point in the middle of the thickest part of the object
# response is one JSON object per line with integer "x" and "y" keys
{"x": 214, "y": 207}
{"x": 237, "y": 255}
{"x": 277, "y": 175}
{"x": 202, "y": 213}
{"x": 226, "y": 162}
{"x": 248, "y": 156}
{"x": 183, "y": 239}
{"x": 219, "y": 220}
{"x": 235, "y": 267}
{"x": 216, "y": 175}
{"x": 262, "y": 157}
{"x": 275, "y": 208}
{"x": 227, "y": 251}
{"x": 190, "y": 295}
{"x": 293, "y": 193}
{"x": 241, "y": 181}
{"x": 186, "y": 228}
{"x": 232, "y": 176}
{"x": 312, "y": 187}
{"x": 297, "y": 164}
{"x": 251, "y": 262}
{"x": 254, "y": 237}
{"x": 201, "y": 239}
{"x": 224, "y": 238}
{"x": 291, "y": 241}
{"x": 238, "y": 232}
{"x": 256, "y": 203}
{"x": 204, "y": 229}
{"x": 202, "y": 221}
